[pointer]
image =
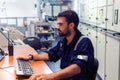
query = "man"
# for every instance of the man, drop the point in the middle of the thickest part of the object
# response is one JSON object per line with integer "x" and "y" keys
{"x": 76, "y": 64}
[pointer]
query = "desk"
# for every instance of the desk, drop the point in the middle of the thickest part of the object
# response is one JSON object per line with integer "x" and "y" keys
{"x": 8, "y": 61}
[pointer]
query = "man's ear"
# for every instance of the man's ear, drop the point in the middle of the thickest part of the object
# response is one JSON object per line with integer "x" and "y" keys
{"x": 72, "y": 25}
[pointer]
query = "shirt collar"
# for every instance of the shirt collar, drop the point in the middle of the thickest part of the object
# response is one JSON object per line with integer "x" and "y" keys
{"x": 75, "y": 39}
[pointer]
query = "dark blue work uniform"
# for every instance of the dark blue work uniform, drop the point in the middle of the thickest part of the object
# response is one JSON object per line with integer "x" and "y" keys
{"x": 69, "y": 56}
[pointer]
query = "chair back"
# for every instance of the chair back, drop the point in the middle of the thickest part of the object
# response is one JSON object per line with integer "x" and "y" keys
{"x": 34, "y": 42}
{"x": 95, "y": 68}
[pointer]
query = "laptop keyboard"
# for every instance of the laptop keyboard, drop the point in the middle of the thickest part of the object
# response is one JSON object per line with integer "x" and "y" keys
{"x": 23, "y": 68}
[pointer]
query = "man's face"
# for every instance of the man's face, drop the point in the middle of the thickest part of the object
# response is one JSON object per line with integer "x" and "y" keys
{"x": 63, "y": 26}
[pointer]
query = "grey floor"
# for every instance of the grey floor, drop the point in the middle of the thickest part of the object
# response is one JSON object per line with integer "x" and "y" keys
{"x": 55, "y": 66}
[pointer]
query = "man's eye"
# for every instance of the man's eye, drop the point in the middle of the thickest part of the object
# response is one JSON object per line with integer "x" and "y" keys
{"x": 60, "y": 24}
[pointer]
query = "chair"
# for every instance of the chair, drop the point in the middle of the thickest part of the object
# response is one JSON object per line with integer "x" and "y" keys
{"x": 34, "y": 42}
{"x": 95, "y": 68}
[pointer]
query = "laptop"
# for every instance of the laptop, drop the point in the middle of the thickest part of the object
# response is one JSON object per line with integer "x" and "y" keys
{"x": 2, "y": 54}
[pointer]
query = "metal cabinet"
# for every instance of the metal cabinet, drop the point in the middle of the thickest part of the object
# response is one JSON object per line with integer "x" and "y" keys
{"x": 110, "y": 18}
{"x": 101, "y": 17}
{"x": 112, "y": 59}
{"x": 92, "y": 35}
{"x": 116, "y": 4}
{"x": 84, "y": 30}
{"x": 101, "y": 54}
{"x": 107, "y": 47}
{"x": 110, "y": 2}
{"x": 93, "y": 16}
{"x": 102, "y": 3}
{"x": 117, "y": 8}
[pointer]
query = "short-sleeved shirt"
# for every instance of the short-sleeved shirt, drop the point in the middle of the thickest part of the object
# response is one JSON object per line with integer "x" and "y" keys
{"x": 83, "y": 56}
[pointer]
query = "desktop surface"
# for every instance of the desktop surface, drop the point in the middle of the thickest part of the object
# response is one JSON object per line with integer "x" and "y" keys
{"x": 7, "y": 68}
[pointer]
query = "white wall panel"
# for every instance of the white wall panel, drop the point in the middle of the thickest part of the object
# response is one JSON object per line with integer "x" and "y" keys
{"x": 101, "y": 54}
{"x": 116, "y": 4}
{"x": 110, "y": 17}
{"x": 84, "y": 30}
{"x": 101, "y": 17}
{"x": 117, "y": 7}
{"x": 102, "y": 3}
{"x": 93, "y": 16}
{"x": 92, "y": 4}
{"x": 118, "y": 28}
{"x": 108, "y": 54}
{"x": 112, "y": 59}
{"x": 110, "y": 2}
{"x": 92, "y": 36}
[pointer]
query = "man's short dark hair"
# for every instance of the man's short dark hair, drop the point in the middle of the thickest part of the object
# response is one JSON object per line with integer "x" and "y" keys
{"x": 71, "y": 16}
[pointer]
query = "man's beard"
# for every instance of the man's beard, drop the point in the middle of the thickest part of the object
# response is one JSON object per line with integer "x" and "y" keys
{"x": 64, "y": 34}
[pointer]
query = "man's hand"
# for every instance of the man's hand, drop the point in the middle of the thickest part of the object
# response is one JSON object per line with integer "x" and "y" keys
{"x": 27, "y": 57}
{"x": 41, "y": 77}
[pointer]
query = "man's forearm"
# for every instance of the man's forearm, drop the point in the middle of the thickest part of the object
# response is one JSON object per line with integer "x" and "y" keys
{"x": 43, "y": 56}
{"x": 67, "y": 72}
